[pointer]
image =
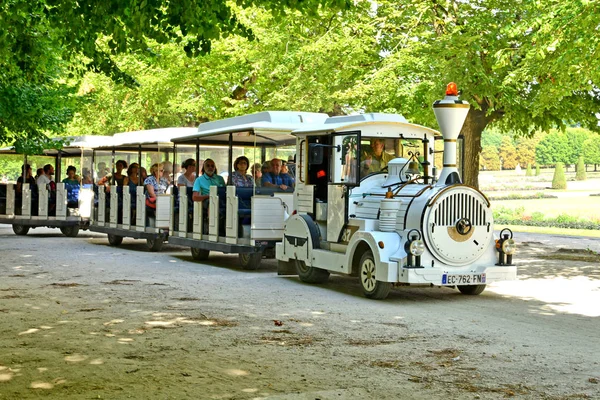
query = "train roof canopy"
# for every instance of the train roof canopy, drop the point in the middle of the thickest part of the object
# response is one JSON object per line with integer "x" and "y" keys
{"x": 73, "y": 145}
{"x": 367, "y": 122}
{"x": 147, "y": 139}
{"x": 267, "y": 127}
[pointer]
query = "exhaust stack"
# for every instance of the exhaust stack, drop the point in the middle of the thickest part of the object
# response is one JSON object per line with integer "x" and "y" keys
{"x": 450, "y": 114}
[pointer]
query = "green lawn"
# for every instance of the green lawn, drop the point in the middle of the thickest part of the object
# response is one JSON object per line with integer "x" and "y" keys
{"x": 583, "y": 207}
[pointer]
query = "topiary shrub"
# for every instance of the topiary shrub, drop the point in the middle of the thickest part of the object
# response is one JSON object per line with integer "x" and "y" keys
{"x": 580, "y": 175}
{"x": 529, "y": 171}
{"x": 559, "y": 181}
{"x": 537, "y": 170}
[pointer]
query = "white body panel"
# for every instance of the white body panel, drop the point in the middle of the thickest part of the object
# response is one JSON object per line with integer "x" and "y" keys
{"x": 140, "y": 209}
{"x": 163, "y": 210}
{"x": 231, "y": 216}
{"x": 268, "y": 214}
{"x": 10, "y": 201}
{"x": 101, "y": 219}
{"x": 43, "y": 197}
{"x": 213, "y": 215}
{"x": 126, "y": 208}
{"x": 86, "y": 202}
{"x": 198, "y": 218}
{"x": 61, "y": 201}
{"x": 26, "y": 201}
{"x": 183, "y": 214}
{"x": 114, "y": 209}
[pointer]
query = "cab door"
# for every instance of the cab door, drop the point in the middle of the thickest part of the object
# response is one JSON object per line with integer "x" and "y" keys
{"x": 345, "y": 174}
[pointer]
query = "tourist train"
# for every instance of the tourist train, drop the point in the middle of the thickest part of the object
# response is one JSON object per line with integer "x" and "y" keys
{"x": 366, "y": 199}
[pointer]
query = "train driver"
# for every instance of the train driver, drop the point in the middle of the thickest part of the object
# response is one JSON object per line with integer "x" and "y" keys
{"x": 209, "y": 178}
{"x": 376, "y": 159}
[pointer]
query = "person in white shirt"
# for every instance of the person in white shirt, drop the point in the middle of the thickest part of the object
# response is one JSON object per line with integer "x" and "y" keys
{"x": 46, "y": 177}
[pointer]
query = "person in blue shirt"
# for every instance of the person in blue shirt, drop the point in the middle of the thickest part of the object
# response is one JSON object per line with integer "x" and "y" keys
{"x": 276, "y": 178}
{"x": 209, "y": 177}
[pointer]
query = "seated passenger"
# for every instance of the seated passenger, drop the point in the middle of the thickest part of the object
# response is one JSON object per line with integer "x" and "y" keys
{"x": 86, "y": 178}
{"x": 132, "y": 178}
{"x": 168, "y": 171}
{"x": 240, "y": 177}
{"x": 72, "y": 186}
{"x": 155, "y": 184}
{"x": 257, "y": 174}
{"x": 276, "y": 178}
{"x": 46, "y": 178}
{"x": 189, "y": 176}
{"x": 25, "y": 169}
{"x": 120, "y": 165}
{"x": 209, "y": 178}
{"x": 376, "y": 159}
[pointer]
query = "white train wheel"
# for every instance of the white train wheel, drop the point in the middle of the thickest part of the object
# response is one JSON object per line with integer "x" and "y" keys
{"x": 372, "y": 288}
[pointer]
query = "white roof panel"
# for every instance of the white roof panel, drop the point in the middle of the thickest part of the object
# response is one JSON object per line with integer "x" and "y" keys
{"x": 355, "y": 122}
{"x": 150, "y": 136}
{"x": 263, "y": 127}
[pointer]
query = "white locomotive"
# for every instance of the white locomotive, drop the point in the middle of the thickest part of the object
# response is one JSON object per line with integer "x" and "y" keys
{"x": 395, "y": 226}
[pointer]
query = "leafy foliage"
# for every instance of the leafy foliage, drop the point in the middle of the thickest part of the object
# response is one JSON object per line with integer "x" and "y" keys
{"x": 591, "y": 149}
{"x": 489, "y": 160}
{"x": 508, "y": 154}
{"x": 46, "y": 46}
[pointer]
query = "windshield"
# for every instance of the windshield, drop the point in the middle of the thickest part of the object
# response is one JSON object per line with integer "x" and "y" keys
{"x": 376, "y": 152}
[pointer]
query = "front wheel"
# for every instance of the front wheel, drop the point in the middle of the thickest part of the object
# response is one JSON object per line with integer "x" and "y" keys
{"x": 20, "y": 230}
{"x": 115, "y": 240}
{"x": 471, "y": 290}
{"x": 70, "y": 231}
{"x": 372, "y": 288}
{"x": 154, "y": 244}
{"x": 200, "y": 254}
{"x": 250, "y": 261}
{"x": 310, "y": 274}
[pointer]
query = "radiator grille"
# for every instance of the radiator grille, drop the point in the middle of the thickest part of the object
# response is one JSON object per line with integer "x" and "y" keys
{"x": 460, "y": 205}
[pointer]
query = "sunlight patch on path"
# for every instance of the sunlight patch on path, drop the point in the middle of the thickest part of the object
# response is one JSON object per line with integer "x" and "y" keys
{"x": 41, "y": 385}
{"x": 76, "y": 358}
{"x": 236, "y": 372}
{"x": 577, "y": 295}
{"x": 28, "y": 331}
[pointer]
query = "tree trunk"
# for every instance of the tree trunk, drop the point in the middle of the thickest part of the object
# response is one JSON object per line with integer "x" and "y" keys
{"x": 474, "y": 125}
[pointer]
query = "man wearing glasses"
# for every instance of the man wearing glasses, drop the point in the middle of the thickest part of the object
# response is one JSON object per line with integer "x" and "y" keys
{"x": 209, "y": 178}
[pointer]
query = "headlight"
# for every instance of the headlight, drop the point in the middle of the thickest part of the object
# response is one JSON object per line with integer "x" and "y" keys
{"x": 417, "y": 247}
{"x": 509, "y": 246}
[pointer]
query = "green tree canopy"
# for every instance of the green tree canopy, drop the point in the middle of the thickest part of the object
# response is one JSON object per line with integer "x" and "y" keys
{"x": 44, "y": 44}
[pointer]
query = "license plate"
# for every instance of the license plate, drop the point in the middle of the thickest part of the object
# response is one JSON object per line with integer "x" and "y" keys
{"x": 463, "y": 279}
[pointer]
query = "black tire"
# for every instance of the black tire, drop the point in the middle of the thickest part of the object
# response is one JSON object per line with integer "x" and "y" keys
{"x": 115, "y": 240}
{"x": 70, "y": 231}
{"x": 471, "y": 290}
{"x": 20, "y": 230}
{"x": 372, "y": 288}
{"x": 250, "y": 261}
{"x": 310, "y": 274}
{"x": 200, "y": 254}
{"x": 154, "y": 244}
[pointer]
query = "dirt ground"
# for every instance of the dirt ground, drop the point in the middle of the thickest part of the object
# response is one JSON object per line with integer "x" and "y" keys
{"x": 82, "y": 320}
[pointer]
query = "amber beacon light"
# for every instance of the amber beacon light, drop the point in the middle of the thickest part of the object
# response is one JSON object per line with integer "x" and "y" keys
{"x": 451, "y": 89}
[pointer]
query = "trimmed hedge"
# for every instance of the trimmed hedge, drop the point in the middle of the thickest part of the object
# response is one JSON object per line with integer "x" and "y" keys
{"x": 549, "y": 223}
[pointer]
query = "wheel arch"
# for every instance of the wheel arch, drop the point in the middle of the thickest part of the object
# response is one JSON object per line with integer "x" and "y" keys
{"x": 359, "y": 249}
{"x": 383, "y": 245}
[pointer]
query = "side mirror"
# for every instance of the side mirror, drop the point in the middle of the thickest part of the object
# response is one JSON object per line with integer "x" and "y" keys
{"x": 315, "y": 154}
